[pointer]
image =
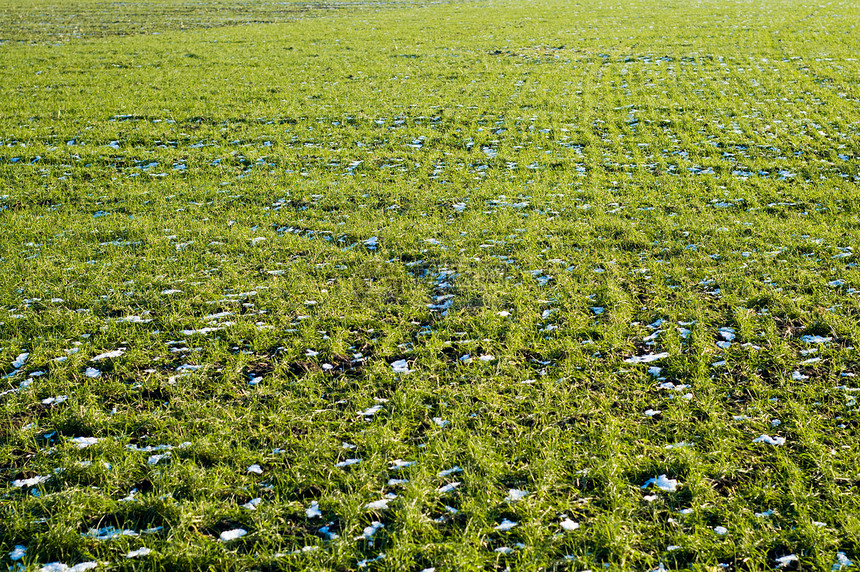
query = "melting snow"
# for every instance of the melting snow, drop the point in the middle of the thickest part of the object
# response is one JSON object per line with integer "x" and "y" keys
{"x": 109, "y": 532}
{"x": 20, "y": 360}
{"x": 647, "y": 358}
{"x": 252, "y": 504}
{"x": 400, "y": 366}
{"x": 109, "y": 355}
{"x": 313, "y": 511}
{"x": 448, "y": 488}
{"x": 229, "y": 535}
{"x": 663, "y": 483}
{"x": 60, "y": 567}
{"x": 784, "y": 561}
{"x": 369, "y": 531}
{"x": 770, "y": 440}
{"x": 842, "y": 561}
{"x": 370, "y": 412}
{"x": 84, "y": 442}
{"x": 381, "y": 504}
{"x": 18, "y": 552}
{"x": 451, "y": 471}
{"x": 31, "y": 482}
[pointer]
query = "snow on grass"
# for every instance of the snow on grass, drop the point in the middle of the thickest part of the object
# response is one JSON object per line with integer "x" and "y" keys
{"x": 233, "y": 534}
{"x": 435, "y": 285}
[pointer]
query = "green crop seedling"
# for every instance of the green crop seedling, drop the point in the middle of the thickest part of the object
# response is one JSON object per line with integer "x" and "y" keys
{"x": 456, "y": 285}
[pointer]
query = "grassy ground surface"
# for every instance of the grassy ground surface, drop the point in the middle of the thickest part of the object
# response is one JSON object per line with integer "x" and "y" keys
{"x": 472, "y": 286}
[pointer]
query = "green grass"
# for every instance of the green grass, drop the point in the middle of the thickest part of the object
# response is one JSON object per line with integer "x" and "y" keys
{"x": 546, "y": 182}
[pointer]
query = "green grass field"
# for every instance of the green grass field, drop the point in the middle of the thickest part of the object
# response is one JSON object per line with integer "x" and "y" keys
{"x": 397, "y": 286}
